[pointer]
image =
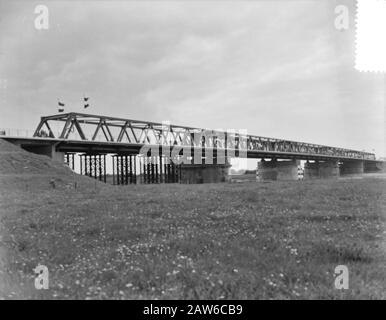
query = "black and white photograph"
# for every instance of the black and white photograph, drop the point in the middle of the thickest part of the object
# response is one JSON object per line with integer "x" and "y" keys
{"x": 201, "y": 152}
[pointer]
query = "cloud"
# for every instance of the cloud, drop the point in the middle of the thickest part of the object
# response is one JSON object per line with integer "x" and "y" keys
{"x": 275, "y": 68}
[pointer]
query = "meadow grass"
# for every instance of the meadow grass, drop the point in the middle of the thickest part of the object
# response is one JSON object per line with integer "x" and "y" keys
{"x": 279, "y": 240}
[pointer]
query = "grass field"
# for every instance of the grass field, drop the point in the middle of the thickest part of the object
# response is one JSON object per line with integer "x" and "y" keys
{"x": 279, "y": 240}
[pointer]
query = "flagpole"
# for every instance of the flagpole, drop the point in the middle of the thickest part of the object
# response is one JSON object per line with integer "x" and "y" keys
{"x": 60, "y": 109}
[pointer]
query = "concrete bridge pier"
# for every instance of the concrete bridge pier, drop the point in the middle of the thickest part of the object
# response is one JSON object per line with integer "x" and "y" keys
{"x": 204, "y": 173}
{"x": 372, "y": 166}
{"x": 277, "y": 170}
{"x": 321, "y": 170}
{"x": 352, "y": 167}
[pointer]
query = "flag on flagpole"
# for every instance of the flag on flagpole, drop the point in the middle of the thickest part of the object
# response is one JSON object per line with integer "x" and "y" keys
{"x": 61, "y": 105}
{"x": 86, "y": 104}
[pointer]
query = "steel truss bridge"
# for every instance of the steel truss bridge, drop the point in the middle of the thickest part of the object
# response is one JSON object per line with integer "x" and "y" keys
{"x": 92, "y": 137}
{"x": 118, "y": 134}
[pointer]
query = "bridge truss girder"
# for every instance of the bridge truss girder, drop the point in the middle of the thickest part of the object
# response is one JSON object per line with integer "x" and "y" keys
{"x": 130, "y": 131}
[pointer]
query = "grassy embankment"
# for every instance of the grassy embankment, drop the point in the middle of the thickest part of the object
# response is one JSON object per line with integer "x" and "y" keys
{"x": 217, "y": 241}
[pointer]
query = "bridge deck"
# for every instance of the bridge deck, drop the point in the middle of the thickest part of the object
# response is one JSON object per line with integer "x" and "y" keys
{"x": 94, "y": 133}
{"x": 98, "y": 147}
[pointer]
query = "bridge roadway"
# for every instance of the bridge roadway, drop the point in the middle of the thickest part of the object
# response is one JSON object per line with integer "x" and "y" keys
{"x": 130, "y": 148}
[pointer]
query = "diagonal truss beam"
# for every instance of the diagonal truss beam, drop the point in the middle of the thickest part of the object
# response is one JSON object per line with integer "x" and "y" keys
{"x": 146, "y": 132}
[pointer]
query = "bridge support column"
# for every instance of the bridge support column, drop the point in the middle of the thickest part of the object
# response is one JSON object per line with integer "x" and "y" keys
{"x": 69, "y": 159}
{"x": 159, "y": 169}
{"x": 352, "y": 167}
{"x": 321, "y": 169}
{"x": 277, "y": 170}
{"x": 124, "y": 169}
{"x": 94, "y": 166}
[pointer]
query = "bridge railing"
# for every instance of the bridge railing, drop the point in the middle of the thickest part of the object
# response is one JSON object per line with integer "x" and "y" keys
{"x": 29, "y": 133}
{"x": 13, "y": 132}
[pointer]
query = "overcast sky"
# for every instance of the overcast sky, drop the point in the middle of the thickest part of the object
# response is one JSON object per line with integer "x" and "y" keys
{"x": 276, "y": 68}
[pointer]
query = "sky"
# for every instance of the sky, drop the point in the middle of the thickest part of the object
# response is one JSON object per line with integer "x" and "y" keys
{"x": 275, "y": 68}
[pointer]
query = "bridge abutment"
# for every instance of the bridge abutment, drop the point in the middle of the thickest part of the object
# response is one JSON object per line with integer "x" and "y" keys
{"x": 48, "y": 150}
{"x": 277, "y": 170}
{"x": 57, "y": 155}
{"x": 321, "y": 170}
